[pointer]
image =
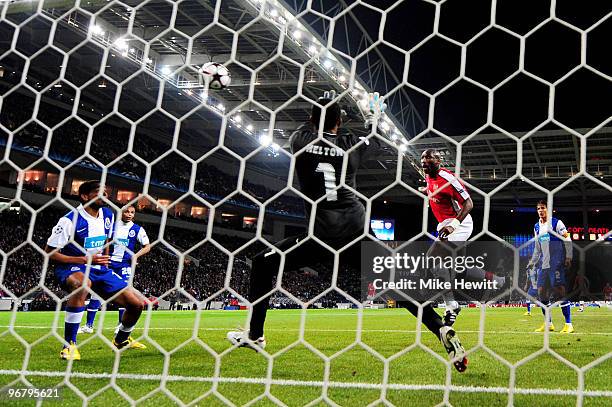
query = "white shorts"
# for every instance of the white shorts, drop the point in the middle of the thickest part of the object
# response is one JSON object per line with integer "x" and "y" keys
{"x": 463, "y": 232}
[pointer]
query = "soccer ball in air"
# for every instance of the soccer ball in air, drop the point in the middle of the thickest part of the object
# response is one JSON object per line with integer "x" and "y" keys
{"x": 215, "y": 75}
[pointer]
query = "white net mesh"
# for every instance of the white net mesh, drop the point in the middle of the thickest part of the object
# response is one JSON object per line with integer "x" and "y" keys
{"x": 513, "y": 96}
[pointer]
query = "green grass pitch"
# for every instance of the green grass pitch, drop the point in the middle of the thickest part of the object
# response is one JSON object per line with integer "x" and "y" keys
{"x": 415, "y": 377}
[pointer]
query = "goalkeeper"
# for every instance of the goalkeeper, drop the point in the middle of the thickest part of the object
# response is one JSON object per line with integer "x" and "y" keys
{"x": 339, "y": 219}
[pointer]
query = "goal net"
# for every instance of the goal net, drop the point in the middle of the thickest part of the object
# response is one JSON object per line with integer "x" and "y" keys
{"x": 511, "y": 95}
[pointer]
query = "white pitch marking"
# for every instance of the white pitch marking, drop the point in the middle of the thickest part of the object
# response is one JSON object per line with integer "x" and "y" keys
{"x": 285, "y": 382}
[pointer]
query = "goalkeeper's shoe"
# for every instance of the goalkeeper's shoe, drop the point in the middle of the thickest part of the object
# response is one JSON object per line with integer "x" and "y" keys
{"x": 85, "y": 329}
{"x": 567, "y": 329}
{"x": 450, "y": 316}
{"x": 130, "y": 343}
{"x": 527, "y": 314}
{"x": 70, "y": 352}
{"x": 453, "y": 346}
{"x": 241, "y": 339}
{"x": 542, "y": 328}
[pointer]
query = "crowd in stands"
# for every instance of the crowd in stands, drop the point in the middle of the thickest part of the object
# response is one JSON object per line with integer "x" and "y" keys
{"x": 202, "y": 277}
{"x": 110, "y": 140}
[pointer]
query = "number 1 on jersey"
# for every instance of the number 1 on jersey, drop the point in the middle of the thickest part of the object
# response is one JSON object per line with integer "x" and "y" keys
{"x": 329, "y": 176}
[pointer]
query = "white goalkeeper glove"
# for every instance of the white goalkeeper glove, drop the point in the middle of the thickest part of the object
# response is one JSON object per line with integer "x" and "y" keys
{"x": 375, "y": 109}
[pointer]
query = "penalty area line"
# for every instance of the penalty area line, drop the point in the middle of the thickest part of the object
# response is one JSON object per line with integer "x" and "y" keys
{"x": 286, "y": 382}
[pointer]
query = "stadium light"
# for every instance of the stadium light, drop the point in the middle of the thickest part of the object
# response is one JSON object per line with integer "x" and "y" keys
{"x": 97, "y": 30}
{"x": 297, "y": 34}
{"x": 237, "y": 118}
{"x": 265, "y": 139}
{"x": 121, "y": 43}
{"x": 221, "y": 107}
{"x": 249, "y": 127}
{"x": 328, "y": 63}
{"x": 312, "y": 49}
{"x": 165, "y": 70}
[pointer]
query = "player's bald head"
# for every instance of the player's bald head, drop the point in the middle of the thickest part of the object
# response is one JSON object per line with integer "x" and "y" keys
{"x": 431, "y": 152}
{"x": 430, "y": 161}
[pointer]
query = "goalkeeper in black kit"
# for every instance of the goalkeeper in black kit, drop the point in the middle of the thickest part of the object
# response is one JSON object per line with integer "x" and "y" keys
{"x": 340, "y": 219}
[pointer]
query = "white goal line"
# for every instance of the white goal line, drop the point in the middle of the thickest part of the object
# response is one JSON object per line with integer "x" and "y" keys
{"x": 321, "y": 330}
{"x": 286, "y": 382}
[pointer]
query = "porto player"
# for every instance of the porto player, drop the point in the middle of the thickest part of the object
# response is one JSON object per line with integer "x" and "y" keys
{"x": 126, "y": 234}
{"x": 552, "y": 255}
{"x": 531, "y": 287}
{"x": 89, "y": 228}
{"x": 340, "y": 219}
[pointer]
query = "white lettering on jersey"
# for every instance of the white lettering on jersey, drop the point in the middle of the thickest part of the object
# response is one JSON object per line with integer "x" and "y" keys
{"x": 328, "y": 151}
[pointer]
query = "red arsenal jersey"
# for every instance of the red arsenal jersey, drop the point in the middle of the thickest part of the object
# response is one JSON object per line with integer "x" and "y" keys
{"x": 448, "y": 201}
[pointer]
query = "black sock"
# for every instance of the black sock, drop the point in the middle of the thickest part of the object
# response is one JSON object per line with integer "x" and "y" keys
{"x": 262, "y": 275}
{"x": 431, "y": 319}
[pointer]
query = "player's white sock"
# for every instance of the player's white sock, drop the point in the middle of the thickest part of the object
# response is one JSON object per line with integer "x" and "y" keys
{"x": 123, "y": 332}
{"x": 451, "y": 305}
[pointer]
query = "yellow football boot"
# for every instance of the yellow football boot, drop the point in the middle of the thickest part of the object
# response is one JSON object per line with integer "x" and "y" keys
{"x": 71, "y": 352}
{"x": 551, "y": 328}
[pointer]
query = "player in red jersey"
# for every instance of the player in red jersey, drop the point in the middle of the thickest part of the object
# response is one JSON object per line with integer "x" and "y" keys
{"x": 449, "y": 200}
{"x": 451, "y": 204}
{"x": 607, "y": 291}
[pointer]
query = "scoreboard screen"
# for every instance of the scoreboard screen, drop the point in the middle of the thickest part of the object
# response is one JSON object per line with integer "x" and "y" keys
{"x": 384, "y": 229}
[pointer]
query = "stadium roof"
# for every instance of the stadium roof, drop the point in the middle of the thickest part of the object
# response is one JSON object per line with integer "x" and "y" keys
{"x": 549, "y": 157}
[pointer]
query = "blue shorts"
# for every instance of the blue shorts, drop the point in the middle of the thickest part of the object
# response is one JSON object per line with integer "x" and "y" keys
{"x": 103, "y": 281}
{"x": 533, "y": 292}
{"x": 123, "y": 270}
{"x": 555, "y": 276}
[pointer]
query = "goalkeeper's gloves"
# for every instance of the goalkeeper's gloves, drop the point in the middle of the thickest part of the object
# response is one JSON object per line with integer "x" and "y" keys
{"x": 375, "y": 108}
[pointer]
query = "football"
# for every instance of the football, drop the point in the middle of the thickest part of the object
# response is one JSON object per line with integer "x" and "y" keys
{"x": 215, "y": 75}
